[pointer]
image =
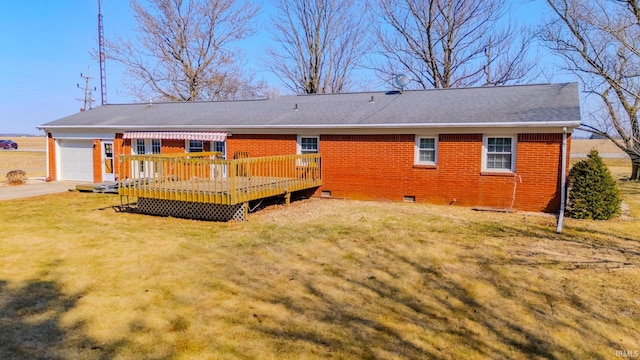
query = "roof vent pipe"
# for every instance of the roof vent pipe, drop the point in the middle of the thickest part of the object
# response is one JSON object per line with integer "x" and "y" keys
{"x": 295, "y": 108}
{"x": 371, "y": 101}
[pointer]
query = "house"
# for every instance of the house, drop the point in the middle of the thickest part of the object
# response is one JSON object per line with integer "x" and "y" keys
{"x": 498, "y": 147}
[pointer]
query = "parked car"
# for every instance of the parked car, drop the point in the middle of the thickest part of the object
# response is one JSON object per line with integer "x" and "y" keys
{"x": 8, "y": 144}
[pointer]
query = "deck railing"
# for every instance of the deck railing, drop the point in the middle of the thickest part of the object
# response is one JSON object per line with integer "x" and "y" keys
{"x": 207, "y": 178}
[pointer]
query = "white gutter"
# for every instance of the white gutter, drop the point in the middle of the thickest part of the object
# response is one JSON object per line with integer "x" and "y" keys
{"x": 563, "y": 181}
{"x": 571, "y": 124}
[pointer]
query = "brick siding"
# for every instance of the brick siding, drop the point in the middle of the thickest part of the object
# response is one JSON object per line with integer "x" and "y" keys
{"x": 51, "y": 151}
{"x": 381, "y": 167}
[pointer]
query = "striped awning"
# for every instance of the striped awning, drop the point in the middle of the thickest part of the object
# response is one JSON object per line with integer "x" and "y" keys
{"x": 176, "y": 135}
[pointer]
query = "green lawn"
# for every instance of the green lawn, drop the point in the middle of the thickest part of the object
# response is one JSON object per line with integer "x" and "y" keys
{"x": 319, "y": 279}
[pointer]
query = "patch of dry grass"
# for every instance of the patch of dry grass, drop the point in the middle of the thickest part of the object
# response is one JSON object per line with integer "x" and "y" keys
{"x": 318, "y": 279}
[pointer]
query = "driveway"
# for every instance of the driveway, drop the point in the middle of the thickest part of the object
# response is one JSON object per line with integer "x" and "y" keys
{"x": 36, "y": 188}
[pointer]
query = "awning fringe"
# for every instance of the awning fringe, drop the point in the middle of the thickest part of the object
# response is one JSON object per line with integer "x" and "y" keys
{"x": 177, "y": 135}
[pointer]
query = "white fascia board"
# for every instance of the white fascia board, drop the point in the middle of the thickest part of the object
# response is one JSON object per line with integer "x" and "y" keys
{"x": 228, "y": 127}
{"x": 547, "y": 124}
{"x": 78, "y": 135}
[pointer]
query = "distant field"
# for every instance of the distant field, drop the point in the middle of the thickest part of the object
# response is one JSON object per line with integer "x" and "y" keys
{"x": 31, "y": 142}
{"x": 604, "y": 147}
{"x": 30, "y": 157}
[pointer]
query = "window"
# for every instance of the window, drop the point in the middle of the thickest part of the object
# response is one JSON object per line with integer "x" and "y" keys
{"x": 145, "y": 147}
{"x": 155, "y": 146}
{"x": 140, "y": 147}
{"x": 195, "y": 146}
{"x": 308, "y": 144}
{"x": 426, "y": 153}
{"x": 219, "y": 147}
{"x": 499, "y": 153}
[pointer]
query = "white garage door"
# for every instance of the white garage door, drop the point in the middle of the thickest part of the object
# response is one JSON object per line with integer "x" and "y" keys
{"x": 76, "y": 160}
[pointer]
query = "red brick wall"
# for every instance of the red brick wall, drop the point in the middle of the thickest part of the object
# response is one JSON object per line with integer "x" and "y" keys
{"x": 539, "y": 158}
{"x": 381, "y": 167}
{"x": 119, "y": 147}
{"x": 172, "y": 146}
{"x": 51, "y": 151}
{"x": 366, "y": 167}
{"x": 97, "y": 161}
{"x": 261, "y": 145}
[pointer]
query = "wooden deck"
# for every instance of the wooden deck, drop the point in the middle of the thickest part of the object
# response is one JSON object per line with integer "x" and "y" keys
{"x": 206, "y": 178}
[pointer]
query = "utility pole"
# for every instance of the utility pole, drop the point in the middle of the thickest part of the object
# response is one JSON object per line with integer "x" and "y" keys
{"x": 88, "y": 94}
{"x": 103, "y": 70}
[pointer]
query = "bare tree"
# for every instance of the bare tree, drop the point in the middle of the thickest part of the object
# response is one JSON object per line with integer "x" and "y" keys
{"x": 450, "y": 43}
{"x": 184, "y": 50}
{"x": 600, "y": 41}
{"x": 321, "y": 43}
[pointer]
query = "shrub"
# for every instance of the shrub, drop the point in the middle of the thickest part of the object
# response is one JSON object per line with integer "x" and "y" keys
{"x": 593, "y": 193}
{"x": 16, "y": 177}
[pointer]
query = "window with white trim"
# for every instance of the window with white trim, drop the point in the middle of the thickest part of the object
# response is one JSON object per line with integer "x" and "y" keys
{"x": 156, "y": 147}
{"x": 426, "y": 150}
{"x": 218, "y": 146}
{"x": 145, "y": 147}
{"x": 308, "y": 144}
{"x": 194, "y": 146}
{"x": 140, "y": 148}
{"x": 499, "y": 153}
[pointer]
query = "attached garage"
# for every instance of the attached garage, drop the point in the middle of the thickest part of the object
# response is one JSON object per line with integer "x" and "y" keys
{"x": 77, "y": 160}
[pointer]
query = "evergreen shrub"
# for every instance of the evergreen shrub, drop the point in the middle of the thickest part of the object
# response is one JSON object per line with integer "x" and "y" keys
{"x": 593, "y": 193}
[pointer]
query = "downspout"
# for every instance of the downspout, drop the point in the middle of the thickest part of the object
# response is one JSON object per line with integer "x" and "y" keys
{"x": 563, "y": 181}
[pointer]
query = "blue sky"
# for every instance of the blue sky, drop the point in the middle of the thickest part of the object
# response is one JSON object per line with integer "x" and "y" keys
{"x": 45, "y": 45}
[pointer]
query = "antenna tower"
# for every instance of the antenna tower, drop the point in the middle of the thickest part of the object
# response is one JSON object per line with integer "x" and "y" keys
{"x": 103, "y": 70}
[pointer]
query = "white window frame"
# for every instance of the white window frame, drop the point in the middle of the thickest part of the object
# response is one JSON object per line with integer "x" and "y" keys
{"x": 153, "y": 147}
{"x": 212, "y": 147}
{"x": 299, "y": 145}
{"x": 417, "y": 149}
{"x": 187, "y": 146}
{"x": 485, "y": 153}
{"x": 148, "y": 146}
{"x": 223, "y": 149}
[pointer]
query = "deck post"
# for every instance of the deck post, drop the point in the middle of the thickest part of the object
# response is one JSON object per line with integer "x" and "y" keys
{"x": 287, "y": 198}
{"x": 246, "y": 210}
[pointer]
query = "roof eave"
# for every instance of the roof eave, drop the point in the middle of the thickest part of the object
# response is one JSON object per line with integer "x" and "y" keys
{"x": 568, "y": 124}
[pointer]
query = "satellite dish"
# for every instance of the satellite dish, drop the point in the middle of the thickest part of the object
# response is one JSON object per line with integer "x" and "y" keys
{"x": 402, "y": 80}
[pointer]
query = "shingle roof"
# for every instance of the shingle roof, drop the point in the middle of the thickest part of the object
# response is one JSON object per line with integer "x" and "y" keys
{"x": 526, "y": 105}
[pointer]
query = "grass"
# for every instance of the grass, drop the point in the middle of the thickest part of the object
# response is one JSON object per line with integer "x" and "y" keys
{"x": 321, "y": 278}
{"x": 318, "y": 279}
